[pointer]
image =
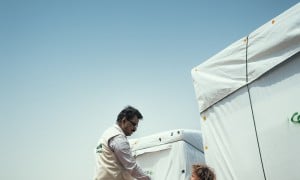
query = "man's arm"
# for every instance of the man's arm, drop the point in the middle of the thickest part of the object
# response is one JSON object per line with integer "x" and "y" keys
{"x": 120, "y": 146}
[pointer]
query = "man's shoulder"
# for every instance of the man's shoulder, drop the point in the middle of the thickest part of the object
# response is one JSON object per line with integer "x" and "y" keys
{"x": 112, "y": 131}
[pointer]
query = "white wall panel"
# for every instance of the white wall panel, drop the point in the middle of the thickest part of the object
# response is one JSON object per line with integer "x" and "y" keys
{"x": 229, "y": 139}
{"x": 275, "y": 98}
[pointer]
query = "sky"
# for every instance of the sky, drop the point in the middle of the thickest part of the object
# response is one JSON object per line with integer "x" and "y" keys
{"x": 67, "y": 68}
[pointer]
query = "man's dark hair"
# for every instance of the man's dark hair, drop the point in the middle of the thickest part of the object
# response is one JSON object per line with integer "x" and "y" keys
{"x": 129, "y": 112}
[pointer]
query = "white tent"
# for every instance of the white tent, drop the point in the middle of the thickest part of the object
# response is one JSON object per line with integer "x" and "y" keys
{"x": 248, "y": 97}
{"x": 169, "y": 155}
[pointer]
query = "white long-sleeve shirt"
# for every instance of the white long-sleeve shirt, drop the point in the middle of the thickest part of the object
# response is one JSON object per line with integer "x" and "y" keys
{"x": 121, "y": 148}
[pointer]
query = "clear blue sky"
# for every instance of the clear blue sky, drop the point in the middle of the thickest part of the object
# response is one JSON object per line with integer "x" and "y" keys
{"x": 68, "y": 67}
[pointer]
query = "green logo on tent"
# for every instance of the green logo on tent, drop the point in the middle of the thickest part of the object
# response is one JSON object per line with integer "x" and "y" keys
{"x": 295, "y": 118}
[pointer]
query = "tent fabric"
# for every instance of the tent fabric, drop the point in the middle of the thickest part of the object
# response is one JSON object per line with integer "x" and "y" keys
{"x": 229, "y": 139}
{"x": 169, "y": 155}
{"x": 275, "y": 104}
{"x": 192, "y": 137}
{"x": 247, "y": 59}
{"x": 247, "y": 97}
{"x": 257, "y": 139}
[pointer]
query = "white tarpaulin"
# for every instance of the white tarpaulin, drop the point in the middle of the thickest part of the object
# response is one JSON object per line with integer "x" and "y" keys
{"x": 248, "y": 99}
{"x": 169, "y": 155}
{"x": 266, "y": 47}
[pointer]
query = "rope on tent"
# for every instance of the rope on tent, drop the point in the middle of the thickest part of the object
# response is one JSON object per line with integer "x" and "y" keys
{"x": 248, "y": 89}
